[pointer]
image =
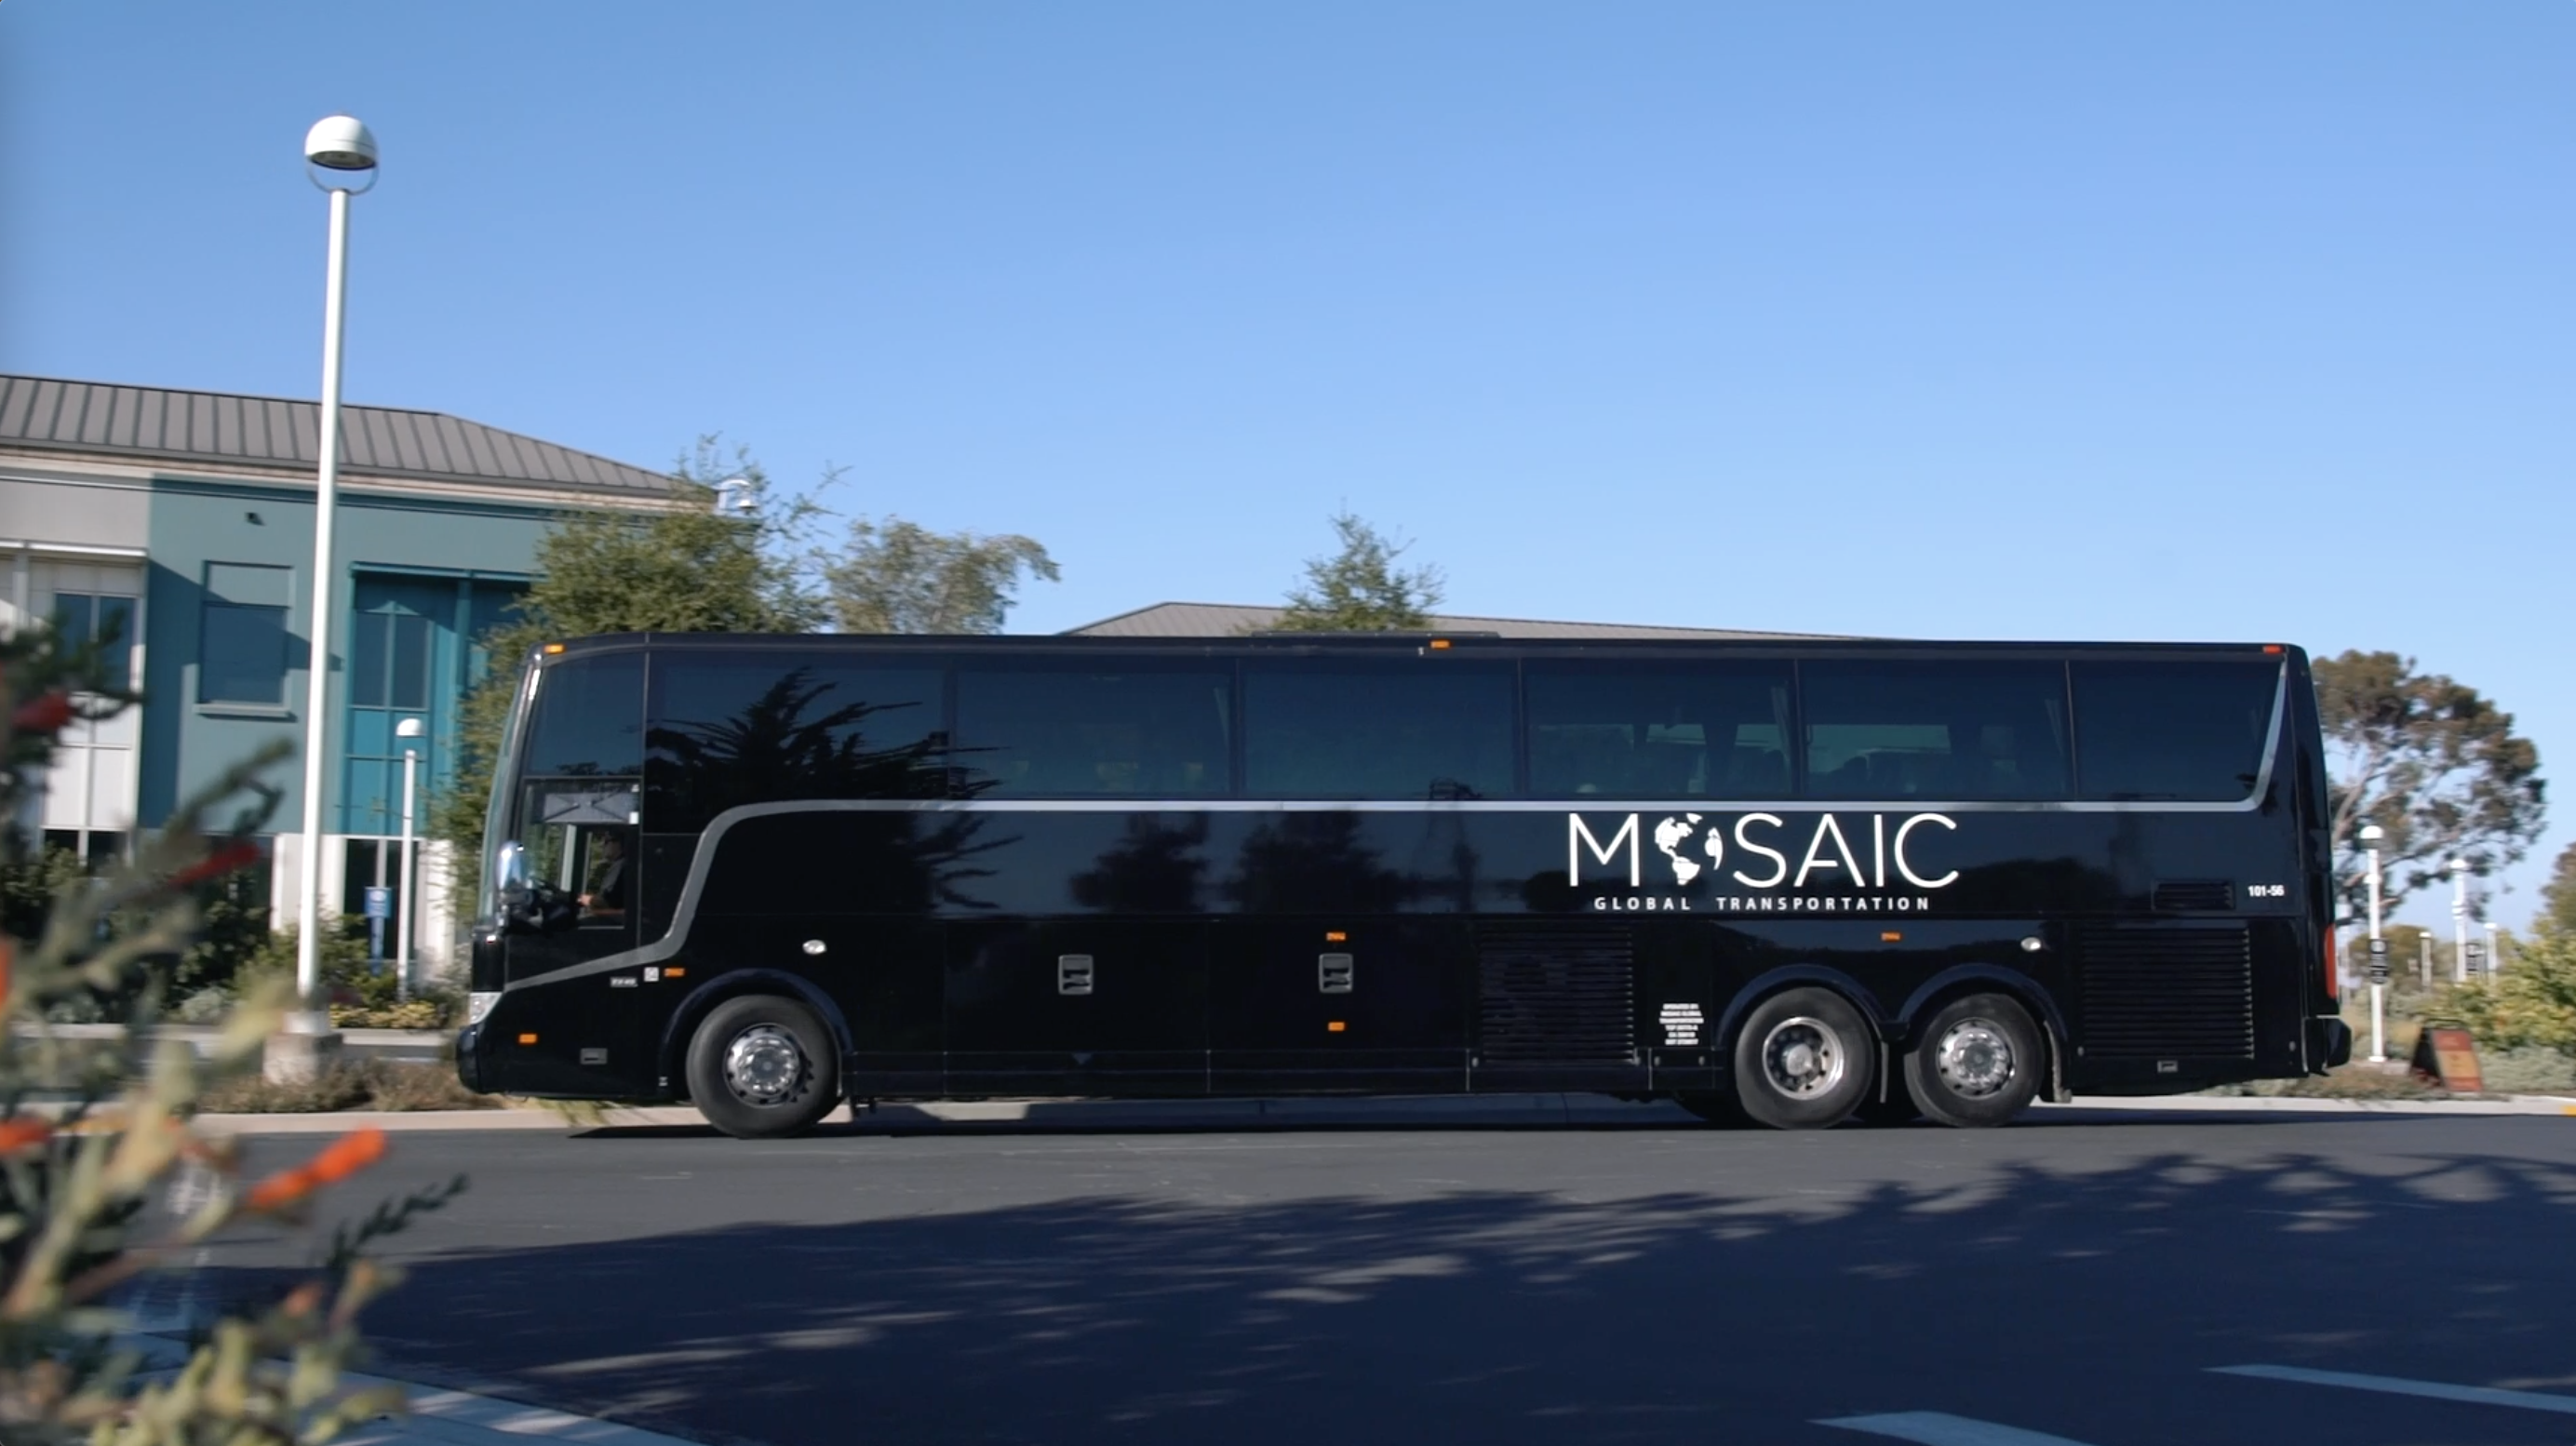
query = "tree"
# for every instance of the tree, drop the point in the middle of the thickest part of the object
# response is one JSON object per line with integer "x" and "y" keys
{"x": 2558, "y": 896}
{"x": 684, "y": 569}
{"x": 2429, "y": 761}
{"x": 904, "y": 578}
{"x": 1360, "y": 589}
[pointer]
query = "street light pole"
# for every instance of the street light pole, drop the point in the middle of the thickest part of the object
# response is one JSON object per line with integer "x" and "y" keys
{"x": 2371, "y": 834}
{"x": 2495, "y": 961}
{"x": 407, "y": 729}
{"x": 2459, "y": 921}
{"x": 337, "y": 152}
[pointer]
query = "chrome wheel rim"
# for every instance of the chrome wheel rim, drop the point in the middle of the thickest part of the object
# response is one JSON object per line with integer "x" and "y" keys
{"x": 1975, "y": 1059}
{"x": 764, "y": 1065}
{"x": 1804, "y": 1057}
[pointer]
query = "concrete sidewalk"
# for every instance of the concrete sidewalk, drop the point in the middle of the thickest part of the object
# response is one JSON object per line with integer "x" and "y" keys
{"x": 1424, "y": 1112}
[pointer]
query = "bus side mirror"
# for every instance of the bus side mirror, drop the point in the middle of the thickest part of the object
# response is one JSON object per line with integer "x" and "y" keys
{"x": 510, "y": 870}
{"x": 510, "y": 876}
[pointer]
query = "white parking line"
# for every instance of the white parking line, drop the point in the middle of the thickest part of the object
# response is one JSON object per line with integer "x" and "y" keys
{"x": 1936, "y": 1428}
{"x": 2398, "y": 1386}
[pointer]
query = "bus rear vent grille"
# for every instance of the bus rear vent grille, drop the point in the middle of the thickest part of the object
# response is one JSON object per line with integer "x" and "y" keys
{"x": 1554, "y": 994}
{"x": 2168, "y": 993}
{"x": 2184, "y": 894}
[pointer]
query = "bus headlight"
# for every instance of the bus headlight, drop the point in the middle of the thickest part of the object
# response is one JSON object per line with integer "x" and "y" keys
{"x": 479, "y": 1004}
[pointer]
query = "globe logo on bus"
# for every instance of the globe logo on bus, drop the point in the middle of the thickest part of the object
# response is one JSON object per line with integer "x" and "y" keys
{"x": 1672, "y": 833}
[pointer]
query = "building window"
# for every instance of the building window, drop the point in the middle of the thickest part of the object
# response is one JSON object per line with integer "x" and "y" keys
{"x": 242, "y": 652}
{"x": 104, "y": 621}
{"x": 389, "y": 661}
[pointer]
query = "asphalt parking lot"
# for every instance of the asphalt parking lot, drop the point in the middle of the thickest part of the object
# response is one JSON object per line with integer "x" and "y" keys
{"x": 2112, "y": 1279}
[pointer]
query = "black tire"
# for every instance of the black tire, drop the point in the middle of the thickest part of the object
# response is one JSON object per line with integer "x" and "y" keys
{"x": 1976, "y": 1061}
{"x": 1804, "y": 1060}
{"x": 1717, "y": 1108}
{"x": 761, "y": 1067}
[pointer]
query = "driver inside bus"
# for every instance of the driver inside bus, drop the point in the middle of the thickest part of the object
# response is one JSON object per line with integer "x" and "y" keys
{"x": 611, "y": 878}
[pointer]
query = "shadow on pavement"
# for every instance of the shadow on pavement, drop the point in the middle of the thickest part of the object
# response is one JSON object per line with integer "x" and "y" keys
{"x": 1746, "y": 1294}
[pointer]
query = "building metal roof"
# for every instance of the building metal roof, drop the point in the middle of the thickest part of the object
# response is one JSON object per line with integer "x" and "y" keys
{"x": 1216, "y": 620}
{"x": 166, "y": 425}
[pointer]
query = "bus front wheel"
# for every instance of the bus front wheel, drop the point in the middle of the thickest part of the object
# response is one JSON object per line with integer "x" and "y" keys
{"x": 1803, "y": 1060}
{"x": 1976, "y": 1061}
{"x": 761, "y": 1067}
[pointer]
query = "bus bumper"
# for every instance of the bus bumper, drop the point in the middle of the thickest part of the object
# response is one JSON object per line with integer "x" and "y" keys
{"x": 2329, "y": 1043}
{"x": 469, "y": 1060}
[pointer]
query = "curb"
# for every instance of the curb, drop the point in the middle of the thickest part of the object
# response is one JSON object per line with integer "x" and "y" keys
{"x": 1428, "y": 1111}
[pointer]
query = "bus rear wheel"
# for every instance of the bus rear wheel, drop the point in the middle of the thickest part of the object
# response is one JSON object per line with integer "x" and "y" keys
{"x": 1975, "y": 1062}
{"x": 1803, "y": 1060}
{"x": 761, "y": 1067}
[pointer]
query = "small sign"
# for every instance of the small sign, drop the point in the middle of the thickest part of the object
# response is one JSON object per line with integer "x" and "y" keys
{"x": 2447, "y": 1057}
{"x": 380, "y": 902}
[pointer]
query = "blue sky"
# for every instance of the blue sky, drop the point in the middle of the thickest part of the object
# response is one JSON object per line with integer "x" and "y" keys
{"x": 1969, "y": 320}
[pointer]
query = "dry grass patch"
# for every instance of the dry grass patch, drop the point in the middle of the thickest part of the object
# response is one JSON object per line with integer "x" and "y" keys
{"x": 369, "y": 1084}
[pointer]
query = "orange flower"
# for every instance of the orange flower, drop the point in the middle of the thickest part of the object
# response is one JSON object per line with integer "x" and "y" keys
{"x": 22, "y": 1132}
{"x": 343, "y": 1158}
{"x": 44, "y": 713}
{"x": 222, "y": 861}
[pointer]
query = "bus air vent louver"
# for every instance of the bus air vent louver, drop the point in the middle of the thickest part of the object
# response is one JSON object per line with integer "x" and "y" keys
{"x": 1554, "y": 993}
{"x": 2184, "y": 895}
{"x": 2167, "y": 993}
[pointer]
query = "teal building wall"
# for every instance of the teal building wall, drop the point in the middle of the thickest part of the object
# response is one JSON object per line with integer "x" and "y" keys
{"x": 419, "y": 580}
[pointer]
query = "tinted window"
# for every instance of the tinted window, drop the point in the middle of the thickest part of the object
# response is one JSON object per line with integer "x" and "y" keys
{"x": 2172, "y": 730}
{"x": 1934, "y": 730}
{"x": 1413, "y": 730}
{"x": 105, "y": 621}
{"x": 1136, "y": 730}
{"x": 589, "y": 718}
{"x": 242, "y": 656}
{"x": 756, "y": 727}
{"x": 1658, "y": 730}
{"x": 389, "y": 661}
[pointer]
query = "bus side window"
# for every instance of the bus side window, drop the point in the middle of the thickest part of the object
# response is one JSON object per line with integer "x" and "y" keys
{"x": 1656, "y": 730}
{"x": 1072, "y": 731}
{"x": 2150, "y": 729}
{"x": 1935, "y": 730}
{"x": 1364, "y": 729}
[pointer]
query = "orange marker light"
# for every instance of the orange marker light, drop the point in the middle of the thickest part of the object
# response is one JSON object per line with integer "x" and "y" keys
{"x": 553, "y": 648}
{"x": 1438, "y": 644}
{"x": 1336, "y": 936}
{"x": 1334, "y": 1027}
{"x": 527, "y": 1039}
{"x": 2271, "y": 647}
{"x": 1891, "y": 937}
{"x": 674, "y": 973}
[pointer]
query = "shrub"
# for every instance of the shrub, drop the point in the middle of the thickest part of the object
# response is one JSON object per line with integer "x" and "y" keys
{"x": 73, "y": 1182}
{"x": 2531, "y": 1003}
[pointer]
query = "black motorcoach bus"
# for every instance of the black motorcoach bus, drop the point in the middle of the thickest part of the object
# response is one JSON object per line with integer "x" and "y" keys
{"x": 1796, "y": 882}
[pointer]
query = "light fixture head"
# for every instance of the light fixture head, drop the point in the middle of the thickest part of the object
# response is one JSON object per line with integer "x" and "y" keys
{"x": 2372, "y": 833}
{"x": 2459, "y": 866}
{"x": 340, "y": 143}
{"x": 411, "y": 728}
